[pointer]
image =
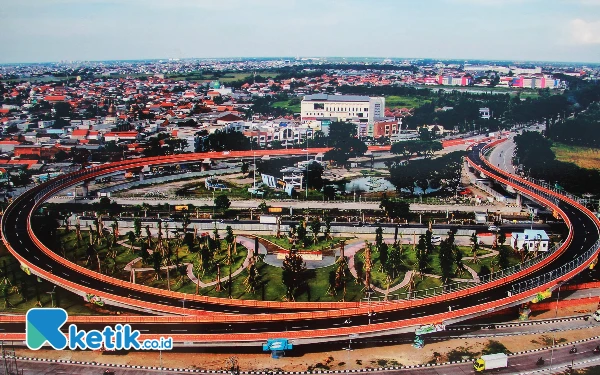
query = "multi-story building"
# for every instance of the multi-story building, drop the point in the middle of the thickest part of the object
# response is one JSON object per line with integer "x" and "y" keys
{"x": 385, "y": 129}
{"x": 359, "y": 109}
{"x": 536, "y": 82}
{"x": 449, "y": 80}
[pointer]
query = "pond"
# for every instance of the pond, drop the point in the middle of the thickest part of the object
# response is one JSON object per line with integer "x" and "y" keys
{"x": 369, "y": 184}
{"x": 377, "y": 185}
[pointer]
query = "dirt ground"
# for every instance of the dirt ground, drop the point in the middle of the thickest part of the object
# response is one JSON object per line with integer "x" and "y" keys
{"x": 392, "y": 355}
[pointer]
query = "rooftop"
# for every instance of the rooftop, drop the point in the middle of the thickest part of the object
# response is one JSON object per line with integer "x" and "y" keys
{"x": 335, "y": 98}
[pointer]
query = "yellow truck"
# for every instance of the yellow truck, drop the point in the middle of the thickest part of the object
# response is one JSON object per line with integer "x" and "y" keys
{"x": 491, "y": 362}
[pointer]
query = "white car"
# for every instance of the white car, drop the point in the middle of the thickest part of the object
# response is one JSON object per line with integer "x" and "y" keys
{"x": 436, "y": 240}
{"x": 493, "y": 228}
{"x": 596, "y": 315}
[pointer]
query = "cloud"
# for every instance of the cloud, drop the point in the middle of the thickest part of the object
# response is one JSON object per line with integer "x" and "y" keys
{"x": 583, "y": 32}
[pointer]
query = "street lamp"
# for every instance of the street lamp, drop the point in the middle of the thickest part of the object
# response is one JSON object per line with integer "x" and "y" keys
{"x": 555, "y": 316}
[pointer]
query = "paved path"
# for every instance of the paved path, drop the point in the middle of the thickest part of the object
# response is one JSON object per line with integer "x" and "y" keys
{"x": 244, "y": 241}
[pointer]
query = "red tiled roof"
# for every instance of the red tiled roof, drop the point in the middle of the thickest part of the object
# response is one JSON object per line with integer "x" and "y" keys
{"x": 79, "y": 132}
{"x": 55, "y": 98}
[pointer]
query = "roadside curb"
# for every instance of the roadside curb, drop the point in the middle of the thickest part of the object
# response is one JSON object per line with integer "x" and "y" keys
{"x": 369, "y": 369}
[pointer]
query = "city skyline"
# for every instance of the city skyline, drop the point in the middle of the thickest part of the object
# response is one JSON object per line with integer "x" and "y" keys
{"x": 513, "y": 30}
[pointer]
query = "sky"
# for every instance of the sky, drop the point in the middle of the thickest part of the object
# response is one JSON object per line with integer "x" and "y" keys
{"x": 516, "y": 30}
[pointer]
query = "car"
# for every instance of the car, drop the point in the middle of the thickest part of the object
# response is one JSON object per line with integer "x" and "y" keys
{"x": 436, "y": 239}
{"x": 493, "y": 228}
{"x": 596, "y": 315}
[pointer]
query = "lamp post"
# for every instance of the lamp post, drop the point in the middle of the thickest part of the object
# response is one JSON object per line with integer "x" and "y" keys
{"x": 554, "y": 332}
{"x": 52, "y": 295}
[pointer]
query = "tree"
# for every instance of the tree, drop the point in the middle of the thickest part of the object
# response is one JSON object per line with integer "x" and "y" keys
{"x": 245, "y": 168}
{"x": 301, "y": 231}
{"x": 315, "y": 227}
{"x": 137, "y": 227}
{"x": 294, "y": 275}
{"x": 131, "y": 238}
{"x": 422, "y": 255}
{"x": 428, "y": 243}
{"x": 253, "y": 279}
{"x": 393, "y": 264}
{"x": 378, "y": 237}
{"x": 446, "y": 256}
{"x": 327, "y": 231}
{"x": 157, "y": 261}
{"x": 62, "y": 109}
{"x": 474, "y": 247}
{"x": 222, "y": 203}
{"x": 502, "y": 238}
{"x": 484, "y": 271}
{"x": 383, "y": 254}
{"x": 394, "y": 209}
{"x": 314, "y": 175}
{"x": 503, "y": 257}
{"x": 345, "y": 145}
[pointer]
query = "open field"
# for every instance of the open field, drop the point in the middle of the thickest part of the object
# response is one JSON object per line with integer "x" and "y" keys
{"x": 393, "y": 101}
{"x": 293, "y": 108}
{"x": 582, "y": 156}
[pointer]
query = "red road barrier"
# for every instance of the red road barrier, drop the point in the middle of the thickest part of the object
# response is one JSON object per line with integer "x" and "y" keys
{"x": 313, "y": 315}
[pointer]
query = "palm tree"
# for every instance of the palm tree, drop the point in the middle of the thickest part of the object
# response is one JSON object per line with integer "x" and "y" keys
{"x": 185, "y": 223}
{"x": 229, "y": 239}
{"x": 422, "y": 256}
{"x": 315, "y": 227}
{"x": 115, "y": 231}
{"x": 327, "y": 231}
{"x": 131, "y": 239}
{"x": 460, "y": 266}
{"x": 78, "y": 232}
{"x": 253, "y": 279}
{"x": 157, "y": 263}
{"x": 474, "y": 248}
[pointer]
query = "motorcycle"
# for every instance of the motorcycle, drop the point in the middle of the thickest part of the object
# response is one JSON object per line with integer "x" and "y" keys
{"x": 540, "y": 361}
{"x": 573, "y": 350}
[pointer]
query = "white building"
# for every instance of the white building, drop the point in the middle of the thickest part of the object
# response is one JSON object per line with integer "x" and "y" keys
{"x": 361, "y": 109}
{"x": 531, "y": 239}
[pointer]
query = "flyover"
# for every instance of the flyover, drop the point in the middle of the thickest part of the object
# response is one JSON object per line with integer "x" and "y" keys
{"x": 257, "y": 321}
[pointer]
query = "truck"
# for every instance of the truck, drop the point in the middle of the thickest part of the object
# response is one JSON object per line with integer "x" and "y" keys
{"x": 264, "y": 219}
{"x": 491, "y": 362}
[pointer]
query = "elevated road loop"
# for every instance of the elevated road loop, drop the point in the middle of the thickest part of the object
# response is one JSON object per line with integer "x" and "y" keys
{"x": 257, "y": 321}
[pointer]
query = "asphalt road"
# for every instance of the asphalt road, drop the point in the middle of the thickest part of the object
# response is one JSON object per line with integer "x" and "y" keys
{"x": 519, "y": 364}
{"x": 14, "y": 228}
{"x": 501, "y": 156}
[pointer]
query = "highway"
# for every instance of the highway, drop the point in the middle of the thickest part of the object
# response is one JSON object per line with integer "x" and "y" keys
{"x": 556, "y": 360}
{"x": 308, "y": 324}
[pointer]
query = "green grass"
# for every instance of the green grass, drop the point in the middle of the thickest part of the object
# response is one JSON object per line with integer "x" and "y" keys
{"x": 77, "y": 254}
{"x": 584, "y": 157}
{"x": 321, "y": 245}
{"x": 220, "y": 257}
{"x": 10, "y": 272}
{"x": 271, "y": 285}
{"x": 378, "y": 276}
{"x": 512, "y": 260}
{"x": 292, "y": 108}
{"x": 393, "y": 101}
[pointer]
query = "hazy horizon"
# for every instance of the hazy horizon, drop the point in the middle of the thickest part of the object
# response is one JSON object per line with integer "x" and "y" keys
{"x": 39, "y": 31}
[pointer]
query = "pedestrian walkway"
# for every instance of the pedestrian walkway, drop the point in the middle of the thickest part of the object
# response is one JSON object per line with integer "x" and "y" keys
{"x": 244, "y": 241}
